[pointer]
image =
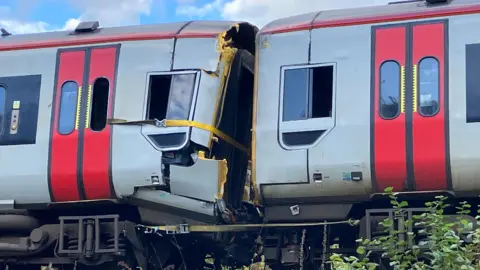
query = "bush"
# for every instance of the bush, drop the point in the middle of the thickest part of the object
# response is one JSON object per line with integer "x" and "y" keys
{"x": 443, "y": 245}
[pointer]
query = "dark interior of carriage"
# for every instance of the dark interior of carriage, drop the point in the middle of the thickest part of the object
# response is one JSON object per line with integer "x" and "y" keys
{"x": 100, "y": 95}
{"x": 158, "y": 100}
{"x": 322, "y": 92}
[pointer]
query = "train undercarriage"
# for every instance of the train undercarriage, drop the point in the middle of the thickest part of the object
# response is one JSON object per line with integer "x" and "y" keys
{"x": 112, "y": 237}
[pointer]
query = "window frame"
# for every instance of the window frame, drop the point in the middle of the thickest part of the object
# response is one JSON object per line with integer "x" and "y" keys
{"x": 471, "y": 57}
{"x": 308, "y": 124}
{"x": 419, "y": 87}
{"x": 399, "y": 90}
{"x": 152, "y": 130}
{"x": 61, "y": 106}
{"x": 172, "y": 73}
{"x": 90, "y": 103}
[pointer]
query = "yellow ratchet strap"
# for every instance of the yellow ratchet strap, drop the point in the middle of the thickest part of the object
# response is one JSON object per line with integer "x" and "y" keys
{"x": 186, "y": 228}
{"x": 182, "y": 123}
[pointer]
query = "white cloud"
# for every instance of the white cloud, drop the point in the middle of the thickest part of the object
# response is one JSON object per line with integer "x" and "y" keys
{"x": 9, "y": 20}
{"x": 190, "y": 9}
{"x": 260, "y": 12}
{"x": 19, "y": 27}
{"x": 70, "y": 24}
{"x": 112, "y": 12}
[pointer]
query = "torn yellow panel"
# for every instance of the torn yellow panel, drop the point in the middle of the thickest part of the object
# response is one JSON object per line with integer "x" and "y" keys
{"x": 225, "y": 58}
{"x": 222, "y": 177}
{"x": 222, "y": 173}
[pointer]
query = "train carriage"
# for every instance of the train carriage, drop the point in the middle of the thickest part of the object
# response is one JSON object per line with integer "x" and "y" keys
{"x": 365, "y": 102}
{"x": 360, "y": 100}
{"x": 83, "y": 127}
{"x": 207, "y": 123}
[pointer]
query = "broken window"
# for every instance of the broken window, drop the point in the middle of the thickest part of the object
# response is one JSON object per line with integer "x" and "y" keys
{"x": 429, "y": 86}
{"x": 3, "y": 92}
{"x": 98, "y": 118}
{"x": 389, "y": 89}
{"x": 68, "y": 107}
{"x": 170, "y": 96}
{"x": 308, "y": 93}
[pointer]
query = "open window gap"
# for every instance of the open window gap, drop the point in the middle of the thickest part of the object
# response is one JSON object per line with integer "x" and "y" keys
{"x": 159, "y": 91}
{"x": 321, "y": 104}
{"x": 100, "y": 95}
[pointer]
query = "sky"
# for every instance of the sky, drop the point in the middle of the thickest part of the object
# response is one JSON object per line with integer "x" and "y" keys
{"x": 29, "y": 16}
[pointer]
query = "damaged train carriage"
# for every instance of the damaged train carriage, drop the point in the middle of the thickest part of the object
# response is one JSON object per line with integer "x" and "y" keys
{"x": 156, "y": 117}
{"x": 204, "y": 135}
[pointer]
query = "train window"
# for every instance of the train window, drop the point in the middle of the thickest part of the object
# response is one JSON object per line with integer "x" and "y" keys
{"x": 68, "y": 107}
{"x": 295, "y": 94}
{"x": 3, "y": 93}
{"x": 308, "y": 93}
{"x": 428, "y": 88}
{"x": 181, "y": 95}
{"x": 98, "y": 118}
{"x": 170, "y": 96}
{"x": 389, "y": 89}
{"x": 472, "y": 59}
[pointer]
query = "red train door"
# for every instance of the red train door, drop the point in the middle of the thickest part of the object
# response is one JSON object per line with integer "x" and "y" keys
{"x": 80, "y": 140}
{"x": 430, "y": 106}
{"x": 388, "y": 107}
{"x": 96, "y": 144}
{"x": 410, "y": 107}
{"x": 65, "y": 130}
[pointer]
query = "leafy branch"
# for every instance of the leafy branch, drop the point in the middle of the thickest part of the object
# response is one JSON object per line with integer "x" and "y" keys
{"x": 449, "y": 242}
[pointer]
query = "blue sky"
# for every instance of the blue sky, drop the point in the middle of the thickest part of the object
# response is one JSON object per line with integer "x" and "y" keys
{"x": 25, "y": 16}
{"x": 160, "y": 11}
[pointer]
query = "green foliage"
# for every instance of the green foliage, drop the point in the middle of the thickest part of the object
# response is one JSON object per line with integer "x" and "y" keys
{"x": 443, "y": 243}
